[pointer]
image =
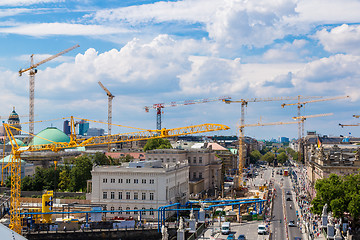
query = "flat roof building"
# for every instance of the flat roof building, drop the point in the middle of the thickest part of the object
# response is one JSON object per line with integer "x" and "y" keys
{"x": 140, "y": 185}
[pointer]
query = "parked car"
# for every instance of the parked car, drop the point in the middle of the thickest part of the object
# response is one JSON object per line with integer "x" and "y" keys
{"x": 241, "y": 237}
{"x": 231, "y": 237}
{"x": 288, "y": 199}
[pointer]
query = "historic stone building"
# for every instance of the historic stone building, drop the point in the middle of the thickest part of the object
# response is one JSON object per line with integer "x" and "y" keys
{"x": 325, "y": 160}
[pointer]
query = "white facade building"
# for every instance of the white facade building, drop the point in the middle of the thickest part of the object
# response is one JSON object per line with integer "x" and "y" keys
{"x": 140, "y": 185}
{"x": 205, "y": 167}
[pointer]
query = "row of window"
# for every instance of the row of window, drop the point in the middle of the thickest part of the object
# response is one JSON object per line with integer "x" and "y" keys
{"x": 174, "y": 159}
{"x": 194, "y": 159}
{"x": 128, "y": 195}
{"x": 136, "y": 181}
{"x": 135, "y": 213}
{"x": 162, "y": 159}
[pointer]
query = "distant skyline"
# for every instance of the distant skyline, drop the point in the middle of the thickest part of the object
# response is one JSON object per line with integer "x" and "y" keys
{"x": 148, "y": 52}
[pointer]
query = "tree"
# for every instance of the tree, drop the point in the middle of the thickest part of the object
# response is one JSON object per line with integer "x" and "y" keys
{"x": 80, "y": 173}
{"x": 341, "y": 194}
{"x": 255, "y": 156}
{"x": 27, "y": 183}
{"x": 269, "y": 157}
{"x": 126, "y": 158}
{"x": 101, "y": 159}
{"x": 157, "y": 143}
{"x": 280, "y": 150}
{"x": 282, "y": 157}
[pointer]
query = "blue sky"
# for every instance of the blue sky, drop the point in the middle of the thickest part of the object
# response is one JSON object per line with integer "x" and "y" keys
{"x": 148, "y": 52}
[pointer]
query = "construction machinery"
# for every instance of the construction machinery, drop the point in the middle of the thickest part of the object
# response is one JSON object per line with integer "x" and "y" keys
{"x": 356, "y": 116}
{"x": 300, "y": 123}
{"x": 32, "y": 71}
{"x": 159, "y": 106}
{"x": 110, "y": 98}
{"x": 303, "y": 118}
{"x": 244, "y": 103}
{"x": 241, "y": 131}
{"x": 15, "y": 166}
{"x": 349, "y": 125}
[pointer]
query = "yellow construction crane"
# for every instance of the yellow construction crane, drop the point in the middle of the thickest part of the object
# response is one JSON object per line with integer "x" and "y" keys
{"x": 241, "y": 131}
{"x": 110, "y": 98}
{"x": 299, "y": 106}
{"x": 244, "y": 103}
{"x": 32, "y": 71}
{"x": 349, "y": 125}
{"x": 356, "y": 116}
{"x": 15, "y": 221}
{"x": 303, "y": 118}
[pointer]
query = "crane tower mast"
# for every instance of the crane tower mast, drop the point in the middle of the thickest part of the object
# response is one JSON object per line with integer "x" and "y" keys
{"x": 32, "y": 71}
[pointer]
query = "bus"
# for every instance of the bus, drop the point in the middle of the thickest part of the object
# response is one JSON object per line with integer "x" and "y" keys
{"x": 286, "y": 173}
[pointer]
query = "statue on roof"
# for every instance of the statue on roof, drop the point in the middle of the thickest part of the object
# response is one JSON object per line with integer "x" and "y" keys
{"x": 181, "y": 224}
{"x": 357, "y": 154}
{"x": 312, "y": 149}
{"x": 192, "y": 214}
{"x": 321, "y": 153}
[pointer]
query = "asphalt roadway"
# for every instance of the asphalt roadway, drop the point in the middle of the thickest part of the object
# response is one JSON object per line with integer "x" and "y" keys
{"x": 282, "y": 213}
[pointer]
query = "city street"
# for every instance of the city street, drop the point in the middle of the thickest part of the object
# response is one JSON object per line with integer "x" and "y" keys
{"x": 282, "y": 213}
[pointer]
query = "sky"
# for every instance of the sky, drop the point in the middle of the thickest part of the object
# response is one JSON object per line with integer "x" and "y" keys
{"x": 147, "y": 52}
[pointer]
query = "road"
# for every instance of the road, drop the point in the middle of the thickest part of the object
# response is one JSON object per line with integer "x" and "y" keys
{"x": 282, "y": 213}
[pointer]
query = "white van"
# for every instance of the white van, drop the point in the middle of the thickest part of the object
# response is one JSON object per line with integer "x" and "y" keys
{"x": 225, "y": 228}
{"x": 262, "y": 229}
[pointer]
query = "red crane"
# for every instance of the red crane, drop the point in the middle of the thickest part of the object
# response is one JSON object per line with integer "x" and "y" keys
{"x": 158, "y": 106}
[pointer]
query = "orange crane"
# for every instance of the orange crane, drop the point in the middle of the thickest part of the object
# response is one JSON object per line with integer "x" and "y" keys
{"x": 244, "y": 103}
{"x": 159, "y": 106}
{"x": 15, "y": 164}
{"x": 302, "y": 104}
{"x": 110, "y": 98}
{"x": 356, "y": 116}
{"x": 32, "y": 71}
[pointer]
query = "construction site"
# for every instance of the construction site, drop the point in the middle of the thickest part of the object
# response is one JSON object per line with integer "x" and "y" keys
{"x": 47, "y": 216}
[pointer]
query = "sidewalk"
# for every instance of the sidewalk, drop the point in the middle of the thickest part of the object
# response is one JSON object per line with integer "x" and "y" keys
{"x": 305, "y": 230}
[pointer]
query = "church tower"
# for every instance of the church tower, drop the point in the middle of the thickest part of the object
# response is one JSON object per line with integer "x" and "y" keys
{"x": 14, "y": 120}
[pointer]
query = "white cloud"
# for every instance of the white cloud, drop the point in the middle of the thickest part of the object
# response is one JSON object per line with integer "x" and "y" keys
{"x": 140, "y": 67}
{"x": 212, "y": 75}
{"x": 328, "y": 11}
{"x": 13, "y": 11}
{"x": 293, "y": 52}
{"x": 189, "y": 11}
{"x": 26, "y": 2}
{"x": 332, "y": 76}
{"x": 229, "y": 22}
{"x": 342, "y": 39}
{"x": 46, "y": 29}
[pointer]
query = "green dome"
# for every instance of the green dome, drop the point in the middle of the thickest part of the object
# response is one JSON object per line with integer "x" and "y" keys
{"x": 7, "y": 159}
{"x": 19, "y": 142}
{"x": 50, "y": 133}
